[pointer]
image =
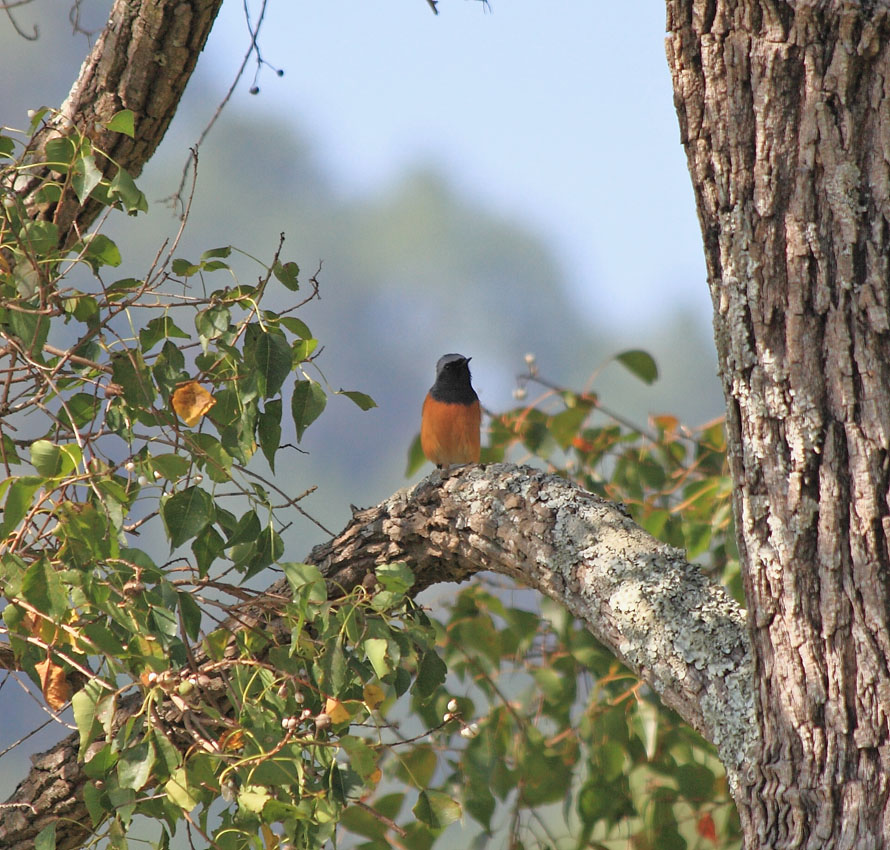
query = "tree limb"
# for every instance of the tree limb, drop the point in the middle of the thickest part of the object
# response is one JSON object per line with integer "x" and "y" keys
{"x": 679, "y": 632}
{"x": 142, "y": 61}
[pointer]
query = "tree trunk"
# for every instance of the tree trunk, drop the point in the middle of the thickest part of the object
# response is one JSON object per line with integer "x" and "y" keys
{"x": 141, "y": 61}
{"x": 785, "y": 119}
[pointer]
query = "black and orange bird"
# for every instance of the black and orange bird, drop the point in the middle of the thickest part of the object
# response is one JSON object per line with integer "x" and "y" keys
{"x": 449, "y": 426}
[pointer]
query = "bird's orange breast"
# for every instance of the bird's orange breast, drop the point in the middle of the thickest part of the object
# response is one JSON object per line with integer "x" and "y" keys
{"x": 449, "y": 433}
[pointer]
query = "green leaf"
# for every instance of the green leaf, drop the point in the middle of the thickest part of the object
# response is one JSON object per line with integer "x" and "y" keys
{"x": 183, "y": 268}
{"x": 273, "y": 360}
{"x": 362, "y": 759}
{"x": 417, "y": 766}
{"x": 252, "y": 798}
{"x": 436, "y": 809}
{"x": 18, "y": 502}
{"x": 610, "y": 759}
{"x": 296, "y": 326}
{"x": 430, "y": 674}
{"x": 170, "y": 466}
{"x": 640, "y": 363}
{"x": 7, "y": 146}
{"x": 212, "y": 322}
{"x": 96, "y": 802}
{"x": 207, "y": 547}
{"x": 416, "y": 457}
{"x": 191, "y": 614}
{"x": 60, "y": 153}
{"x": 222, "y": 253}
{"x": 135, "y": 765}
{"x": 246, "y": 531}
{"x": 306, "y": 581}
{"x": 43, "y": 589}
{"x": 32, "y": 329}
{"x": 93, "y": 708}
{"x": 124, "y": 189}
{"x": 178, "y": 791}
{"x": 269, "y": 430}
{"x": 27, "y": 283}
{"x": 39, "y": 237}
{"x": 129, "y": 370}
{"x": 564, "y": 426}
{"x": 375, "y": 649}
{"x": 212, "y": 457}
{"x": 695, "y": 782}
{"x": 158, "y": 328}
{"x": 85, "y": 176}
{"x": 54, "y": 461}
{"x": 287, "y": 273}
{"x": 303, "y": 349}
{"x": 307, "y": 403}
{"x": 123, "y": 122}
{"x": 186, "y": 514}
{"x": 46, "y": 838}
{"x": 396, "y": 577}
{"x": 364, "y": 401}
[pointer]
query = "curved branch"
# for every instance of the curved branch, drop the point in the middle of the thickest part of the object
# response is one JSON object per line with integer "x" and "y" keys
{"x": 681, "y": 633}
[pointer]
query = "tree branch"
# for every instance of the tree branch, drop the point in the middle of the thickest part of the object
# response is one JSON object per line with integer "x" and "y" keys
{"x": 142, "y": 60}
{"x": 682, "y": 634}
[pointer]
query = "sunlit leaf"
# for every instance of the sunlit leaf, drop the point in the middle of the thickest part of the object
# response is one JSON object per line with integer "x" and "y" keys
{"x": 54, "y": 683}
{"x": 191, "y": 401}
{"x": 123, "y": 122}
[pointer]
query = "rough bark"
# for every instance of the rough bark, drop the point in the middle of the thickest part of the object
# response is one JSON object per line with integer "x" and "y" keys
{"x": 785, "y": 119}
{"x": 142, "y": 61}
{"x": 679, "y": 632}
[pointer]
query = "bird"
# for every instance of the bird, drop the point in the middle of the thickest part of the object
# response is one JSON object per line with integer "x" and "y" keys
{"x": 449, "y": 424}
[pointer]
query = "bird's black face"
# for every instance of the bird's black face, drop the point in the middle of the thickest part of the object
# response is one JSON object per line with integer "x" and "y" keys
{"x": 453, "y": 365}
{"x": 453, "y": 380}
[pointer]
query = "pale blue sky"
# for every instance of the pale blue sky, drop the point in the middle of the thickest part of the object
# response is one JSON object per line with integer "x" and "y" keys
{"x": 557, "y": 113}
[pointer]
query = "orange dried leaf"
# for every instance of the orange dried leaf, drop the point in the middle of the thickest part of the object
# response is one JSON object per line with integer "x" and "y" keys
{"x": 336, "y": 710}
{"x": 232, "y": 740}
{"x": 706, "y": 827}
{"x": 191, "y": 401}
{"x": 54, "y": 683}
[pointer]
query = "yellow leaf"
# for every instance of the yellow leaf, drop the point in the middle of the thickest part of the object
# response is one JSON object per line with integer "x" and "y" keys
{"x": 54, "y": 683}
{"x": 373, "y": 696}
{"x": 191, "y": 401}
{"x": 336, "y": 710}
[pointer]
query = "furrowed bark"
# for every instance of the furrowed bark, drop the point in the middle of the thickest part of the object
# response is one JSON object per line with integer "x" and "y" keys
{"x": 785, "y": 119}
{"x": 142, "y": 60}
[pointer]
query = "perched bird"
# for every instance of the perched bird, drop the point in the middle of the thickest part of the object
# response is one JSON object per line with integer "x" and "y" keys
{"x": 449, "y": 426}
